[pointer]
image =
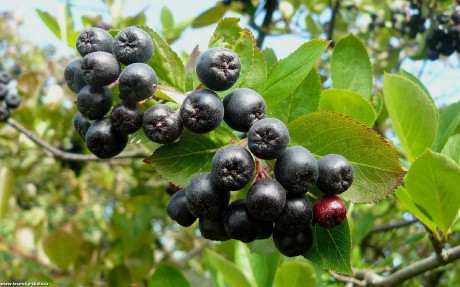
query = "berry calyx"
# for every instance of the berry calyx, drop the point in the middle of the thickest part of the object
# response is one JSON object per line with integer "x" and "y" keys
{"x": 94, "y": 39}
{"x": 126, "y": 119}
{"x": 133, "y": 45}
{"x": 268, "y": 138}
{"x": 161, "y": 124}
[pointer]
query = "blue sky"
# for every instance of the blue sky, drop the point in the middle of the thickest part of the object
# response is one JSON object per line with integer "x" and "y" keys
{"x": 441, "y": 77}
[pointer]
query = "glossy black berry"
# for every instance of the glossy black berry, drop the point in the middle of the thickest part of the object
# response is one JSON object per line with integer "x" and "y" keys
{"x": 266, "y": 199}
{"x": 100, "y": 69}
{"x": 13, "y": 101}
{"x": 297, "y": 215}
{"x": 202, "y": 111}
{"x": 335, "y": 174}
{"x": 161, "y": 124}
{"x": 133, "y": 45}
{"x": 239, "y": 224}
{"x": 432, "y": 54}
{"x": 81, "y": 125}
{"x": 243, "y": 107}
{"x": 3, "y": 91}
{"x": 103, "y": 141}
{"x": 213, "y": 229}
{"x": 268, "y": 138}
{"x": 126, "y": 119}
{"x": 297, "y": 170}
{"x": 293, "y": 245}
{"x": 329, "y": 211}
{"x": 178, "y": 211}
{"x": 5, "y": 77}
{"x": 137, "y": 82}
{"x": 73, "y": 76}
{"x": 4, "y": 113}
{"x": 218, "y": 68}
{"x": 266, "y": 229}
{"x": 94, "y": 102}
{"x": 93, "y": 40}
{"x": 204, "y": 198}
{"x": 232, "y": 167}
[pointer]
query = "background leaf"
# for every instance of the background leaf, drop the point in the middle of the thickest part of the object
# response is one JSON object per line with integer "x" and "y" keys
{"x": 303, "y": 101}
{"x": 414, "y": 117}
{"x": 50, "y": 21}
{"x": 6, "y": 189}
{"x": 63, "y": 245}
{"x": 167, "y": 18}
{"x": 449, "y": 118}
{"x": 119, "y": 276}
{"x": 377, "y": 168}
{"x": 257, "y": 75}
{"x": 210, "y": 16}
{"x": 350, "y": 67}
{"x": 432, "y": 183}
{"x": 295, "y": 274}
{"x": 331, "y": 248}
{"x": 287, "y": 75}
{"x": 231, "y": 274}
{"x": 180, "y": 161}
{"x": 168, "y": 276}
{"x": 452, "y": 148}
{"x": 349, "y": 104}
{"x": 227, "y": 33}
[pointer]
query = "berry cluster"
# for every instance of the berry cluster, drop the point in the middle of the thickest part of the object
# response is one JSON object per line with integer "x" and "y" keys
{"x": 445, "y": 38}
{"x": 8, "y": 100}
{"x": 272, "y": 207}
{"x": 91, "y": 76}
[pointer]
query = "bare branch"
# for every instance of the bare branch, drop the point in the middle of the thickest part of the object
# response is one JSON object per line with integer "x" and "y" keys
{"x": 67, "y": 156}
{"x": 391, "y": 226}
{"x": 330, "y": 33}
{"x": 347, "y": 279}
{"x": 270, "y": 7}
{"x": 424, "y": 265}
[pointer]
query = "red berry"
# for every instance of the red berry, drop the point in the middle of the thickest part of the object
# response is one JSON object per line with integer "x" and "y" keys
{"x": 329, "y": 211}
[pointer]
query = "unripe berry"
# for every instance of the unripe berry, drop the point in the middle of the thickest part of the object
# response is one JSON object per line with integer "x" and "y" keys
{"x": 329, "y": 211}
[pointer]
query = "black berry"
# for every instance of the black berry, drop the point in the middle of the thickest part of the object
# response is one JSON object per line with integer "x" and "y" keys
{"x": 293, "y": 245}
{"x": 5, "y": 77}
{"x": 13, "y": 101}
{"x": 161, "y": 124}
{"x": 329, "y": 211}
{"x": 126, "y": 119}
{"x": 239, "y": 224}
{"x": 3, "y": 91}
{"x": 243, "y": 107}
{"x": 73, "y": 76}
{"x": 266, "y": 229}
{"x": 297, "y": 170}
{"x": 204, "y": 198}
{"x": 137, "y": 82}
{"x": 81, "y": 124}
{"x": 218, "y": 68}
{"x": 266, "y": 199}
{"x": 178, "y": 211}
{"x": 335, "y": 174}
{"x": 297, "y": 215}
{"x": 268, "y": 138}
{"x": 93, "y": 40}
{"x": 213, "y": 229}
{"x": 4, "y": 113}
{"x": 100, "y": 69}
{"x": 103, "y": 141}
{"x": 232, "y": 167}
{"x": 202, "y": 111}
{"x": 94, "y": 102}
{"x": 133, "y": 45}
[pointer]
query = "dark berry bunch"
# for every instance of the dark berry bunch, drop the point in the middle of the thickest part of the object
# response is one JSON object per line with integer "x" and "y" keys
{"x": 275, "y": 207}
{"x": 8, "y": 99}
{"x": 445, "y": 37}
{"x": 106, "y": 135}
{"x": 408, "y": 20}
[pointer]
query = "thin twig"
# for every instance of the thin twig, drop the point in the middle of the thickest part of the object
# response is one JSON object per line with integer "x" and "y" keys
{"x": 67, "y": 156}
{"x": 386, "y": 227}
{"x": 270, "y": 7}
{"x": 195, "y": 251}
{"x": 330, "y": 33}
{"x": 347, "y": 279}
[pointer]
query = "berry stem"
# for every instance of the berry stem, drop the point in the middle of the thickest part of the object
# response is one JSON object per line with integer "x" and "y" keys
{"x": 199, "y": 86}
{"x": 243, "y": 142}
{"x": 309, "y": 194}
{"x": 260, "y": 171}
{"x": 114, "y": 84}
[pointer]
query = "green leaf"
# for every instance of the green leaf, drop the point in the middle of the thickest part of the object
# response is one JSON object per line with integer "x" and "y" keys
{"x": 270, "y": 57}
{"x": 289, "y": 73}
{"x": 119, "y": 276}
{"x": 452, "y": 148}
{"x": 303, "y": 101}
{"x": 244, "y": 47}
{"x": 377, "y": 104}
{"x": 331, "y": 248}
{"x": 50, "y": 21}
{"x": 210, "y": 16}
{"x": 138, "y": 19}
{"x": 168, "y": 276}
{"x": 295, "y": 274}
{"x": 166, "y": 63}
{"x": 227, "y": 33}
{"x": 449, "y": 118}
{"x": 377, "y": 168}
{"x": 416, "y": 81}
{"x": 6, "y": 189}
{"x": 167, "y": 18}
{"x": 231, "y": 274}
{"x": 432, "y": 183}
{"x": 263, "y": 246}
{"x": 257, "y": 74}
{"x": 350, "y": 67}
{"x": 180, "y": 161}
{"x": 62, "y": 246}
{"x": 414, "y": 117}
{"x": 349, "y": 104}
